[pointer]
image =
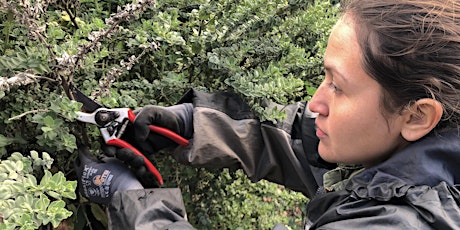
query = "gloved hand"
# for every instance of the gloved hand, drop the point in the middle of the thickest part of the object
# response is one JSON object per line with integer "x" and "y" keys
{"x": 135, "y": 163}
{"x": 177, "y": 118}
{"x": 99, "y": 179}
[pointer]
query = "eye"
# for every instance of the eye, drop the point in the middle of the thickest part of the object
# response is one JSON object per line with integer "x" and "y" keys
{"x": 334, "y": 87}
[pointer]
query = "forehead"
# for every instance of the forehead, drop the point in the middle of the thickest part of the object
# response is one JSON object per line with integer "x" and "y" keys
{"x": 343, "y": 48}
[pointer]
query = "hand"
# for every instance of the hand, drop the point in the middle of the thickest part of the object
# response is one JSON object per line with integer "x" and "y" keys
{"x": 99, "y": 179}
{"x": 178, "y": 118}
{"x": 135, "y": 163}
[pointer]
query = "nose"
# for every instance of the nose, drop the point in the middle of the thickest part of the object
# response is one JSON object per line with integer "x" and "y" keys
{"x": 318, "y": 103}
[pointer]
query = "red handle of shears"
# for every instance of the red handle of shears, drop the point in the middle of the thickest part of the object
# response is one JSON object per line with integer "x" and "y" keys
{"x": 123, "y": 144}
{"x": 162, "y": 131}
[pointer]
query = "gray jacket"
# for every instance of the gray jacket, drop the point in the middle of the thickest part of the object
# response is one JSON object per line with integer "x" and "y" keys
{"x": 415, "y": 189}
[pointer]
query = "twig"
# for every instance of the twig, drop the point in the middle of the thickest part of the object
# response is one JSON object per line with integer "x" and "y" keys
{"x": 71, "y": 16}
{"x": 20, "y": 79}
{"x": 129, "y": 11}
{"x": 106, "y": 81}
{"x": 28, "y": 112}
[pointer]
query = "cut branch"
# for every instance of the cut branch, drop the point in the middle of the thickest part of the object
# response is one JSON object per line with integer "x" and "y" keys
{"x": 20, "y": 79}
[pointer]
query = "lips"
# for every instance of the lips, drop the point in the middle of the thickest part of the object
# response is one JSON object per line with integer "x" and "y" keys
{"x": 320, "y": 133}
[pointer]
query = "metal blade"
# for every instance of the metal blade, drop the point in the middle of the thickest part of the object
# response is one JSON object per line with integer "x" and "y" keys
{"x": 89, "y": 105}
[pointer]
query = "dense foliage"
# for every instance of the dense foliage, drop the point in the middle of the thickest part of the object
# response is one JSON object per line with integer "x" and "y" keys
{"x": 130, "y": 54}
{"x": 24, "y": 201}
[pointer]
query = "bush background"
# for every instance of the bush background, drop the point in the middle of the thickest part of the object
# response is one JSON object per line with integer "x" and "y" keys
{"x": 134, "y": 53}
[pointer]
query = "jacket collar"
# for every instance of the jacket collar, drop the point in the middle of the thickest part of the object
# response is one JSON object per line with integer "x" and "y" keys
{"x": 428, "y": 162}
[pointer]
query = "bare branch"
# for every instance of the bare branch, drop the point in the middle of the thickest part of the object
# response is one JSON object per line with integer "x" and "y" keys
{"x": 20, "y": 79}
{"x": 106, "y": 81}
{"x": 28, "y": 112}
{"x": 130, "y": 11}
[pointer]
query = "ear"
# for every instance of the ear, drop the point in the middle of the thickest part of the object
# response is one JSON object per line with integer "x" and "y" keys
{"x": 420, "y": 118}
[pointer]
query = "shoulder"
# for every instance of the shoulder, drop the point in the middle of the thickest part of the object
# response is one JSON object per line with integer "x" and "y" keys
{"x": 417, "y": 207}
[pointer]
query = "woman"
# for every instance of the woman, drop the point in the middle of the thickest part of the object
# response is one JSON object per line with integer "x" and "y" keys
{"x": 390, "y": 101}
{"x": 386, "y": 116}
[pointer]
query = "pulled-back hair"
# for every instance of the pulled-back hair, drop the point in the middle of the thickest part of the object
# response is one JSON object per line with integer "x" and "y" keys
{"x": 412, "y": 48}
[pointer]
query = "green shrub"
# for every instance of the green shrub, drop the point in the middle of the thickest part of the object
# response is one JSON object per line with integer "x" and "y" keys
{"x": 130, "y": 54}
{"x": 27, "y": 203}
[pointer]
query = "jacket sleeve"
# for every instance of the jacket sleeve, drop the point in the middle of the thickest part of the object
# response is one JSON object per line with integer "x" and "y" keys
{"x": 227, "y": 134}
{"x": 147, "y": 209}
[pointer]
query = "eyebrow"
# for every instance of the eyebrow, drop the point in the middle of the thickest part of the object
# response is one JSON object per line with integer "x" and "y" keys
{"x": 333, "y": 70}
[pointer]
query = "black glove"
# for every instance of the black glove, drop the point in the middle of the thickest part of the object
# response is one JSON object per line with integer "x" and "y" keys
{"x": 135, "y": 163}
{"x": 99, "y": 179}
{"x": 177, "y": 118}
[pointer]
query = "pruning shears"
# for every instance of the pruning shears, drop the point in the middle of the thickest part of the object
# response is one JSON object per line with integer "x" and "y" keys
{"x": 112, "y": 124}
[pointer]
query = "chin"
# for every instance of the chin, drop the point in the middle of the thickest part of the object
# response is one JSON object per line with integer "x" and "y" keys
{"x": 331, "y": 159}
{"x": 327, "y": 157}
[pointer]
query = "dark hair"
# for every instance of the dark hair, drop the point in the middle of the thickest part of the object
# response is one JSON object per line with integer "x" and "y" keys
{"x": 412, "y": 48}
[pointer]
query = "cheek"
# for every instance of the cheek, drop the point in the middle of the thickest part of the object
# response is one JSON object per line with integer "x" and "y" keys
{"x": 356, "y": 135}
{"x": 357, "y": 129}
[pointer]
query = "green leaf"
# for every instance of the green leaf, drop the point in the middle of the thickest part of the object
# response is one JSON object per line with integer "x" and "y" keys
{"x": 69, "y": 141}
{"x": 46, "y": 179}
{"x": 30, "y": 182}
{"x": 9, "y": 166}
{"x": 42, "y": 203}
{"x": 55, "y": 107}
{"x": 34, "y": 154}
{"x": 54, "y": 194}
{"x": 58, "y": 178}
{"x": 69, "y": 191}
{"x": 3, "y": 176}
{"x": 99, "y": 214}
{"x": 48, "y": 121}
{"x": 54, "y": 31}
{"x": 5, "y": 141}
{"x": 47, "y": 129}
{"x": 48, "y": 161}
{"x": 5, "y": 192}
{"x": 25, "y": 202}
{"x": 58, "y": 211}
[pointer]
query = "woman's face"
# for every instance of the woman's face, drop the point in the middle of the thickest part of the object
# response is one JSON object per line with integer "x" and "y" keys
{"x": 350, "y": 123}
